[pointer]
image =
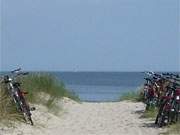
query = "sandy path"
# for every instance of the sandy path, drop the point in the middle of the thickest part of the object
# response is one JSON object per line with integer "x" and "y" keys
{"x": 119, "y": 118}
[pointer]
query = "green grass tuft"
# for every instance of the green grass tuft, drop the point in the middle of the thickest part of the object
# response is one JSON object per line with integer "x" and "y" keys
{"x": 150, "y": 113}
{"x": 134, "y": 96}
{"x": 40, "y": 85}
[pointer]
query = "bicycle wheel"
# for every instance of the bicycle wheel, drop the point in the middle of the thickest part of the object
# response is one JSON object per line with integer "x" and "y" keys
{"x": 26, "y": 111}
{"x": 177, "y": 115}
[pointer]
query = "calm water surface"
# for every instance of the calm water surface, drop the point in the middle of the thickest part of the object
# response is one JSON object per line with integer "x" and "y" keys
{"x": 101, "y": 86}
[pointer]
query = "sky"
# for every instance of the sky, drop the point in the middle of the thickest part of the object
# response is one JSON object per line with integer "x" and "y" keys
{"x": 90, "y": 35}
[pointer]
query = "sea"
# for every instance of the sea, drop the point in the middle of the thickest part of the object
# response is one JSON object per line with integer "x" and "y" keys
{"x": 101, "y": 86}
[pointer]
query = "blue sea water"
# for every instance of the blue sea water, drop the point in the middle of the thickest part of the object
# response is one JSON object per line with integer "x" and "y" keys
{"x": 101, "y": 86}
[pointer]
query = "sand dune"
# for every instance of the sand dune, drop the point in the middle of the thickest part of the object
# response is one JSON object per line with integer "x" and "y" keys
{"x": 117, "y": 118}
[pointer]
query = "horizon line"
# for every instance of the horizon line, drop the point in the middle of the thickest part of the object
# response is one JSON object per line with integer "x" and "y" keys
{"x": 90, "y": 71}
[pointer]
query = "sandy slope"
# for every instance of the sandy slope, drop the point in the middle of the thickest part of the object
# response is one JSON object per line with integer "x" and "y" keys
{"x": 119, "y": 118}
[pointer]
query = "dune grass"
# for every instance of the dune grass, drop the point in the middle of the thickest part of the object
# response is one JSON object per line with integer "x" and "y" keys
{"x": 8, "y": 112}
{"x": 134, "y": 96}
{"x": 42, "y": 88}
{"x": 173, "y": 129}
{"x": 38, "y": 84}
{"x": 150, "y": 113}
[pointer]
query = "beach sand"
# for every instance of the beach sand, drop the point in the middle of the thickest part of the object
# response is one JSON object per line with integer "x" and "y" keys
{"x": 115, "y": 118}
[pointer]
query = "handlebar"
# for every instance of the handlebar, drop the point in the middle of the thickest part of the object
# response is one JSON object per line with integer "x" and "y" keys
{"x": 171, "y": 75}
{"x": 16, "y": 70}
{"x": 163, "y": 75}
{"x": 15, "y": 73}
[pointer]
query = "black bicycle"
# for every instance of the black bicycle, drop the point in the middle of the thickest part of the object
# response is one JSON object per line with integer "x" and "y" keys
{"x": 17, "y": 95}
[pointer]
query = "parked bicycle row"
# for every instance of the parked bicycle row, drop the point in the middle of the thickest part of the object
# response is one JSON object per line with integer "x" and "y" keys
{"x": 162, "y": 92}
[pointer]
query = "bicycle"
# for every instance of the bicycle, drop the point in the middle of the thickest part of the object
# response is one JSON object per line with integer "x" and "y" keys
{"x": 17, "y": 95}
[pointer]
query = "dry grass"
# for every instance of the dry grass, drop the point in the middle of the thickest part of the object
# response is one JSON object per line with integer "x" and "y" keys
{"x": 8, "y": 111}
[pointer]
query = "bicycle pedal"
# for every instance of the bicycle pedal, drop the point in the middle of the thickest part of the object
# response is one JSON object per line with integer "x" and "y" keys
{"x": 32, "y": 109}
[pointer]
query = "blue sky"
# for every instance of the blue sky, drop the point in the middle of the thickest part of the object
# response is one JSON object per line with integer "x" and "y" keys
{"x": 90, "y": 35}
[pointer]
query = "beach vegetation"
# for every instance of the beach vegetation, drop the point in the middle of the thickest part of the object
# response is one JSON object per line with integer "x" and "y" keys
{"x": 134, "y": 96}
{"x": 173, "y": 129}
{"x": 42, "y": 88}
{"x": 45, "y": 88}
{"x": 150, "y": 113}
{"x": 8, "y": 111}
